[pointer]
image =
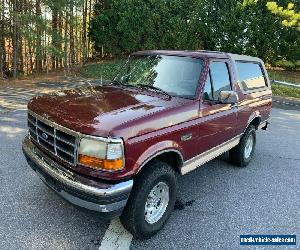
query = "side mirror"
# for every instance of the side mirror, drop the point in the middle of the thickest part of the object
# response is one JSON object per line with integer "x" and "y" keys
{"x": 228, "y": 97}
{"x": 124, "y": 78}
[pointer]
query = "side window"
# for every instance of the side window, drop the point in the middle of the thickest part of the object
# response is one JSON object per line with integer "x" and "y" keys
{"x": 220, "y": 78}
{"x": 217, "y": 80}
{"x": 208, "y": 91}
{"x": 251, "y": 75}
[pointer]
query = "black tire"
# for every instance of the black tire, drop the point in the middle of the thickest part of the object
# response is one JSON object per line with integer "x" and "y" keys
{"x": 236, "y": 155}
{"x": 133, "y": 216}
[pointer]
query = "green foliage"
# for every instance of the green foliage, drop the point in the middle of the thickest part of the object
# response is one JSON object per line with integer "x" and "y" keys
{"x": 280, "y": 90}
{"x": 127, "y": 26}
{"x": 297, "y": 64}
{"x": 238, "y": 26}
{"x": 290, "y": 15}
{"x": 288, "y": 65}
{"x": 284, "y": 75}
{"x": 105, "y": 70}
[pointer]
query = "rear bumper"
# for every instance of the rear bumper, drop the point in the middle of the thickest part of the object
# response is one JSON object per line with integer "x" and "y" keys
{"x": 78, "y": 190}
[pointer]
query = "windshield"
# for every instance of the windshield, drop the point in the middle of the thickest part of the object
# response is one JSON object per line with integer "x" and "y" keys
{"x": 177, "y": 76}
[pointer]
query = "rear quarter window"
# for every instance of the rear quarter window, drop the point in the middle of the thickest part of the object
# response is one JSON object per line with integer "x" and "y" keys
{"x": 251, "y": 75}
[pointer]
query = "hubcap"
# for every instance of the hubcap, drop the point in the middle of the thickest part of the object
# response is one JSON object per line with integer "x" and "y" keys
{"x": 248, "y": 147}
{"x": 157, "y": 202}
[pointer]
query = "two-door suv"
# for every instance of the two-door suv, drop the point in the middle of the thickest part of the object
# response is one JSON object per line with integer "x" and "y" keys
{"x": 119, "y": 147}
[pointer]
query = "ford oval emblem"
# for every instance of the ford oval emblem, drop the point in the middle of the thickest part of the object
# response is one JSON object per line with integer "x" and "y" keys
{"x": 44, "y": 135}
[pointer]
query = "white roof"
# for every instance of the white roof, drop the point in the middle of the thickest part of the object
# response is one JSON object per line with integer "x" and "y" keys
{"x": 237, "y": 57}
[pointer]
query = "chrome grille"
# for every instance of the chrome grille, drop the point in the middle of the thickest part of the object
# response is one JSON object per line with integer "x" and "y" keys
{"x": 58, "y": 142}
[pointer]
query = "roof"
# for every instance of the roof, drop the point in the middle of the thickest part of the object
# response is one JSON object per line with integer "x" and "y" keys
{"x": 237, "y": 57}
{"x": 198, "y": 53}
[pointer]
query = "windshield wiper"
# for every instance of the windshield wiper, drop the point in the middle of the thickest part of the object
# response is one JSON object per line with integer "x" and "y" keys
{"x": 155, "y": 88}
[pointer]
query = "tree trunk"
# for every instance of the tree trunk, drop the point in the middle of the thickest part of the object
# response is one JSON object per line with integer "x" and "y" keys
{"x": 89, "y": 39}
{"x": 20, "y": 9}
{"x": 77, "y": 37}
{"x": 45, "y": 44}
{"x": 60, "y": 31}
{"x": 38, "y": 53}
{"x": 54, "y": 36}
{"x": 2, "y": 41}
{"x": 72, "y": 43}
{"x": 84, "y": 31}
{"x": 66, "y": 64}
{"x": 15, "y": 39}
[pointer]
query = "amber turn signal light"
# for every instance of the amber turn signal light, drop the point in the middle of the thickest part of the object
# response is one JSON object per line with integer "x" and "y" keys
{"x": 93, "y": 162}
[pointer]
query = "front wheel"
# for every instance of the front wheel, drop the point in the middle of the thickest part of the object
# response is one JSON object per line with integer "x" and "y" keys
{"x": 242, "y": 154}
{"x": 151, "y": 201}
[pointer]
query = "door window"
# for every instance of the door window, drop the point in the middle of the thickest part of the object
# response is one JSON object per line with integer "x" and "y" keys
{"x": 218, "y": 80}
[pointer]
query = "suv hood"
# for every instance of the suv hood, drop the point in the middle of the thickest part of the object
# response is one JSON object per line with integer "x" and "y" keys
{"x": 106, "y": 111}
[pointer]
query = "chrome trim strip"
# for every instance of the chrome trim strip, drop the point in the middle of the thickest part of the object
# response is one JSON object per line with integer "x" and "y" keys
{"x": 55, "y": 146}
{"x": 33, "y": 131}
{"x": 66, "y": 179}
{"x": 64, "y": 141}
{"x": 46, "y": 141}
{"x": 66, "y": 152}
{"x": 208, "y": 155}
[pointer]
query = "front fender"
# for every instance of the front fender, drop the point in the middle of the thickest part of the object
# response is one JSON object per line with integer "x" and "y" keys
{"x": 255, "y": 114}
{"x": 155, "y": 150}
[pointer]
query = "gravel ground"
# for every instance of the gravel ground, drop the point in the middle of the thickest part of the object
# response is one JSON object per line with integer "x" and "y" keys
{"x": 217, "y": 202}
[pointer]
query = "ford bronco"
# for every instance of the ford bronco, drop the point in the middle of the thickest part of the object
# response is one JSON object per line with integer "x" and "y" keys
{"x": 117, "y": 148}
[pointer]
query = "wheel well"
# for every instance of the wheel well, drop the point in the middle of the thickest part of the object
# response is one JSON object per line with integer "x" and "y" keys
{"x": 171, "y": 158}
{"x": 255, "y": 122}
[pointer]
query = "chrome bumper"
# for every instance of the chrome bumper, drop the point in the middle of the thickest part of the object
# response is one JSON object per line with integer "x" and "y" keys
{"x": 81, "y": 191}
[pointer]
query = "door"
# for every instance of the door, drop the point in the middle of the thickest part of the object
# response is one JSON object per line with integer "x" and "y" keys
{"x": 218, "y": 121}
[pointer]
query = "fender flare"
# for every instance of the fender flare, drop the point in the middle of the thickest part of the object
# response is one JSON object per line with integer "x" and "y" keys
{"x": 254, "y": 115}
{"x": 156, "y": 150}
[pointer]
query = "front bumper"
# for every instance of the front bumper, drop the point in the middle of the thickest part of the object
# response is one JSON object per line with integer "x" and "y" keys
{"x": 78, "y": 190}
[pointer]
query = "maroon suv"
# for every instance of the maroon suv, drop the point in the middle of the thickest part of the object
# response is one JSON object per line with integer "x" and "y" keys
{"x": 118, "y": 148}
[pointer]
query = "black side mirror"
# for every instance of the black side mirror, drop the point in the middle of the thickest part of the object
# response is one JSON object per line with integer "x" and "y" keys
{"x": 228, "y": 97}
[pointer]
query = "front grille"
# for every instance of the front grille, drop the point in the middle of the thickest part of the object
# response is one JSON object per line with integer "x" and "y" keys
{"x": 53, "y": 139}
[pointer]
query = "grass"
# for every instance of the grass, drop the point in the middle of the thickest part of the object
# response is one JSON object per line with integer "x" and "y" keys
{"x": 285, "y": 75}
{"x": 108, "y": 69}
{"x": 105, "y": 69}
{"x": 285, "y": 91}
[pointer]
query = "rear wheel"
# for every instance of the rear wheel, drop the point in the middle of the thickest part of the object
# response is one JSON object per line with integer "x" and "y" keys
{"x": 151, "y": 201}
{"x": 242, "y": 154}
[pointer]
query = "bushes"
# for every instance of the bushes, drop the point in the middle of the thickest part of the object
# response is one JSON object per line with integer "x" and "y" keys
{"x": 285, "y": 91}
{"x": 105, "y": 70}
{"x": 288, "y": 65}
{"x": 285, "y": 75}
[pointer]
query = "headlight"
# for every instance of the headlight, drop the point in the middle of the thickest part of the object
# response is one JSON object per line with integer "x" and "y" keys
{"x": 98, "y": 154}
